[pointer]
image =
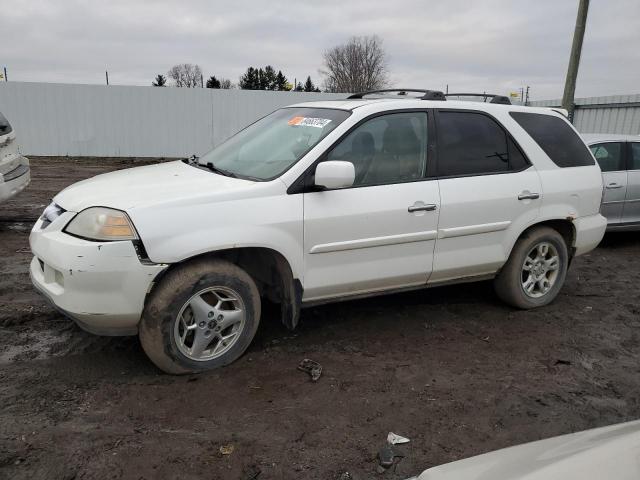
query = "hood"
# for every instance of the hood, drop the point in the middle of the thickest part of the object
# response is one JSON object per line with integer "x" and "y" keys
{"x": 603, "y": 453}
{"x": 139, "y": 187}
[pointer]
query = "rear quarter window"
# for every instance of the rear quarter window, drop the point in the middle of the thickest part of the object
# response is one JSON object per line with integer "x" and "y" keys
{"x": 558, "y": 140}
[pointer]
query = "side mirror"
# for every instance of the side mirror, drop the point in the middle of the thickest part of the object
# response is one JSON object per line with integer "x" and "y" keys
{"x": 335, "y": 174}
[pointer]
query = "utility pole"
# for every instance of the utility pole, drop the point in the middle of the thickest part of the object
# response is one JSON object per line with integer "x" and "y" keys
{"x": 106, "y": 74}
{"x": 526, "y": 96}
{"x": 568, "y": 101}
{"x": 6, "y": 79}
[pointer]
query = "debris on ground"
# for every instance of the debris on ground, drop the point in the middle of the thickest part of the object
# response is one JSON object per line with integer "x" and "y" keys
{"x": 314, "y": 369}
{"x": 251, "y": 472}
{"x": 562, "y": 362}
{"x": 227, "y": 449}
{"x": 345, "y": 476}
{"x": 386, "y": 456}
{"x": 395, "y": 439}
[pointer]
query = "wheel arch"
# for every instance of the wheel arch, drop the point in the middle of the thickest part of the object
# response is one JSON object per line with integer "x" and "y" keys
{"x": 270, "y": 270}
{"x": 564, "y": 226}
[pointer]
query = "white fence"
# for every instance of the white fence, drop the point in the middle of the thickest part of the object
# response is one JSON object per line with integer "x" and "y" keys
{"x": 125, "y": 121}
{"x": 613, "y": 114}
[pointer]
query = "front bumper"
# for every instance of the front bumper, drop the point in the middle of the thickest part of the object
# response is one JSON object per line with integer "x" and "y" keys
{"x": 589, "y": 232}
{"x": 13, "y": 182}
{"x": 100, "y": 285}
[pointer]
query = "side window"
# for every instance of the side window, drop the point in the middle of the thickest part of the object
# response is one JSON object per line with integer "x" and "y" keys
{"x": 634, "y": 163}
{"x": 556, "y": 137}
{"x": 473, "y": 144}
{"x": 609, "y": 156}
{"x": 386, "y": 149}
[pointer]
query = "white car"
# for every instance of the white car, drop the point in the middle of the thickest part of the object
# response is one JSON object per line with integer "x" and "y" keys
{"x": 619, "y": 160}
{"x": 598, "y": 454}
{"x": 320, "y": 202}
{"x": 14, "y": 168}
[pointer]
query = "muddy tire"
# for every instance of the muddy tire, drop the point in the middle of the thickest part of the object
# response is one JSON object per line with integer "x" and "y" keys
{"x": 535, "y": 270}
{"x": 201, "y": 316}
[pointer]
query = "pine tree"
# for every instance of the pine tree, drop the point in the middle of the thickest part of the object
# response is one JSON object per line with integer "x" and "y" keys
{"x": 213, "y": 82}
{"x": 249, "y": 81}
{"x": 299, "y": 88}
{"x": 309, "y": 86}
{"x": 281, "y": 82}
{"x": 160, "y": 81}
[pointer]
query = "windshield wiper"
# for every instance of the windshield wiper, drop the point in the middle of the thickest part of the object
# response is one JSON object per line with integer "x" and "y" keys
{"x": 217, "y": 170}
{"x": 193, "y": 160}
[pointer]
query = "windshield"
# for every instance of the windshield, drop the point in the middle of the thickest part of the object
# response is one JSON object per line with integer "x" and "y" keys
{"x": 269, "y": 147}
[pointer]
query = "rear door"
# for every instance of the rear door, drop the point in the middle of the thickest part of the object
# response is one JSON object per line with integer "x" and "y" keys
{"x": 488, "y": 189}
{"x": 611, "y": 158}
{"x": 631, "y": 210}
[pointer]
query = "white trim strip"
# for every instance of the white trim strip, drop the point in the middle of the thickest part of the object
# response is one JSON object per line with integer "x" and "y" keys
{"x": 374, "y": 242}
{"x": 473, "y": 229}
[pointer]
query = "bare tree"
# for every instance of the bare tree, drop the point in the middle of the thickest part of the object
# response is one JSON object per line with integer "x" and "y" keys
{"x": 357, "y": 66}
{"x": 186, "y": 75}
{"x": 225, "y": 84}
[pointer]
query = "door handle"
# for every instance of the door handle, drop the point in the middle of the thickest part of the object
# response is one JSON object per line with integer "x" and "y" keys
{"x": 528, "y": 196}
{"x": 421, "y": 208}
{"x": 611, "y": 186}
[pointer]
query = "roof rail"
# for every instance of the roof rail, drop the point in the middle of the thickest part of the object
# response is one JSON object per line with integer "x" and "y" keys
{"x": 427, "y": 94}
{"x": 501, "y": 99}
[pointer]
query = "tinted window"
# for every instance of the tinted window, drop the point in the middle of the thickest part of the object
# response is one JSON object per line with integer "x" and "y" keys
{"x": 634, "y": 163}
{"x": 5, "y": 126}
{"x": 517, "y": 160}
{"x": 609, "y": 156}
{"x": 558, "y": 140}
{"x": 386, "y": 149}
{"x": 472, "y": 144}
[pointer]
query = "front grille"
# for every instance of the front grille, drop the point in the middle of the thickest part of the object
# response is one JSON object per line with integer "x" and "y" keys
{"x": 15, "y": 173}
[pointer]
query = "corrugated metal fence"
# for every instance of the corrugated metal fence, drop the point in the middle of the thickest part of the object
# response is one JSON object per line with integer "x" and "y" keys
{"x": 126, "y": 121}
{"x": 613, "y": 114}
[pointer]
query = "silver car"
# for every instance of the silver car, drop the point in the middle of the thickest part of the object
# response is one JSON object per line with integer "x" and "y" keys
{"x": 619, "y": 159}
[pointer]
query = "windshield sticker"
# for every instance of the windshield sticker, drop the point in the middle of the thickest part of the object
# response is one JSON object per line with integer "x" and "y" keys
{"x": 309, "y": 122}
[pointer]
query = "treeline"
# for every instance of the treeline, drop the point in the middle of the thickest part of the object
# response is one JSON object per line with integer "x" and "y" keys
{"x": 359, "y": 65}
{"x": 190, "y": 76}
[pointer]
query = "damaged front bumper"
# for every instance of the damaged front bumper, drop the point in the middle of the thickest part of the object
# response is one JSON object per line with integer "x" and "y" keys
{"x": 100, "y": 285}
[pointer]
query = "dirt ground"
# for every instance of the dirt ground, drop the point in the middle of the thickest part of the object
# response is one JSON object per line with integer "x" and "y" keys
{"x": 451, "y": 368}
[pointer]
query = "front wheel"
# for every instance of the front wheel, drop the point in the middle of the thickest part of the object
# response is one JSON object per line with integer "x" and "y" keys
{"x": 202, "y": 315}
{"x": 535, "y": 270}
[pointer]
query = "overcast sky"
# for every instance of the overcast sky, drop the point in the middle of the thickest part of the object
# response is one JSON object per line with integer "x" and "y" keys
{"x": 491, "y": 45}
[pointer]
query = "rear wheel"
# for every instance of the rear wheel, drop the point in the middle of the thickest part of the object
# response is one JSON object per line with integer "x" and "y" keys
{"x": 535, "y": 271}
{"x": 201, "y": 316}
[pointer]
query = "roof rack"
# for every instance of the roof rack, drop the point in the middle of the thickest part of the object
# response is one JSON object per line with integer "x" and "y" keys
{"x": 427, "y": 94}
{"x": 501, "y": 99}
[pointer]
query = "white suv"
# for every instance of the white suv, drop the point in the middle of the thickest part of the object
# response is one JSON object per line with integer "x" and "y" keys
{"x": 320, "y": 202}
{"x": 14, "y": 168}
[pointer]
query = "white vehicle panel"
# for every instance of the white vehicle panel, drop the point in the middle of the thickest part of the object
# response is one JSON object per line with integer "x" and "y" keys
{"x": 602, "y": 453}
{"x": 480, "y": 219}
{"x": 365, "y": 239}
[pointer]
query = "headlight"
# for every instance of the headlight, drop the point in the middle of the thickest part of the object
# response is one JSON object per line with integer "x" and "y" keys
{"x": 100, "y": 223}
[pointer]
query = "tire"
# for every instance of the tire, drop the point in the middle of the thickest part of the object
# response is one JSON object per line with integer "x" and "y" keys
{"x": 515, "y": 278}
{"x": 212, "y": 292}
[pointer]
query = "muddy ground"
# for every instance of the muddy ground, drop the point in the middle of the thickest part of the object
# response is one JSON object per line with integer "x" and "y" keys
{"x": 451, "y": 368}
